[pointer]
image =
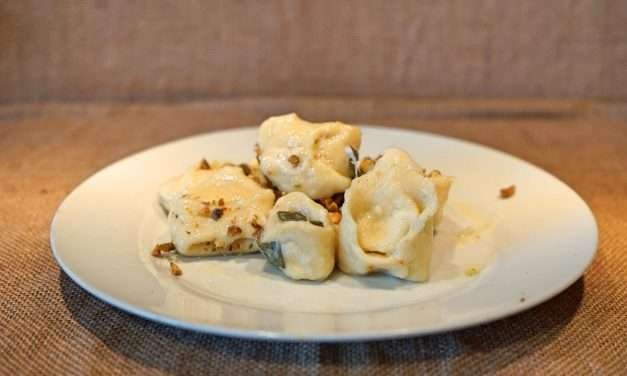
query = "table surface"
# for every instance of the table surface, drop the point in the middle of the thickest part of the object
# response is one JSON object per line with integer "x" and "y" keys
{"x": 50, "y": 325}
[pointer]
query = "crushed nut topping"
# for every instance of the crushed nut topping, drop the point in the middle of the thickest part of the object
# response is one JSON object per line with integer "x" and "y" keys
{"x": 330, "y": 204}
{"x": 217, "y": 213}
{"x": 508, "y": 192}
{"x": 294, "y": 160}
{"x": 258, "y": 228}
{"x": 210, "y": 246}
{"x": 205, "y": 211}
{"x": 234, "y": 230}
{"x": 175, "y": 270}
{"x": 365, "y": 165}
{"x": 204, "y": 165}
{"x": 162, "y": 248}
{"x": 221, "y": 202}
{"x": 335, "y": 217}
{"x": 236, "y": 245}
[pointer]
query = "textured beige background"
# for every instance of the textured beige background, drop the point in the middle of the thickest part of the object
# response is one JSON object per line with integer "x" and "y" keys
{"x": 50, "y": 325}
{"x": 181, "y": 50}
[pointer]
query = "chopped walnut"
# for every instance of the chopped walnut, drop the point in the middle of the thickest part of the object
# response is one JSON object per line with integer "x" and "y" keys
{"x": 162, "y": 248}
{"x": 204, "y": 165}
{"x": 294, "y": 160}
{"x": 258, "y": 228}
{"x": 217, "y": 213}
{"x": 335, "y": 217}
{"x": 175, "y": 270}
{"x": 210, "y": 246}
{"x": 333, "y": 207}
{"x": 365, "y": 165}
{"x": 234, "y": 230}
{"x": 236, "y": 245}
{"x": 330, "y": 204}
{"x": 205, "y": 211}
{"x": 221, "y": 202}
{"x": 508, "y": 192}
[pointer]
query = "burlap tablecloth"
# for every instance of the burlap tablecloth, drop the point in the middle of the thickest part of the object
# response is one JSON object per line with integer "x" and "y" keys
{"x": 48, "y": 325}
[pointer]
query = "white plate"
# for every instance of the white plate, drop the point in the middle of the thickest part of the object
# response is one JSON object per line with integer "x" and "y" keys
{"x": 528, "y": 248}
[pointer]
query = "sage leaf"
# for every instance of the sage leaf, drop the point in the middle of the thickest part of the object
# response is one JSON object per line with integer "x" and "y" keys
{"x": 316, "y": 223}
{"x": 353, "y": 157}
{"x": 286, "y": 216}
{"x": 272, "y": 252}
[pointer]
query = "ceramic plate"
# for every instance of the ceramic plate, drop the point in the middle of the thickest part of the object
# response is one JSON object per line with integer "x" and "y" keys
{"x": 524, "y": 250}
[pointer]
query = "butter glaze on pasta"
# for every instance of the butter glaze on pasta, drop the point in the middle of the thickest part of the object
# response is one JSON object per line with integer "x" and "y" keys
{"x": 299, "y": 156}
{"x": 388, "y": 220}
{"x": 215, "y": 211}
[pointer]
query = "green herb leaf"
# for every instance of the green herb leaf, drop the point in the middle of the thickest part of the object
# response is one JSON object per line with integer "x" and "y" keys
{"x": 353, "y": 157}
{"x": 272, "y": 252}
{"x": 285, "y": 216}
{"x": 316, "y": 223}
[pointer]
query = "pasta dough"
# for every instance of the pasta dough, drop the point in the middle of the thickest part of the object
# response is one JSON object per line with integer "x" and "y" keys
{"x": 300, "y": 238}
{"x": 215, "y": 210}
{"x": 388, "y": 219}
{"x": 442, "y": 186}
{"x": 299, "y": 156}
{"x": 391, "y": 206}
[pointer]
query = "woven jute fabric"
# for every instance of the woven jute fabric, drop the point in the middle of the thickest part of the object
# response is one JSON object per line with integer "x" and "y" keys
{"x": 49, "y": 325}
{"x": 197, "y": 49}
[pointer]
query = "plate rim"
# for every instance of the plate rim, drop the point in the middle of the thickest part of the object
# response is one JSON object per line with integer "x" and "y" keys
{"x": 265, "y": 335}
